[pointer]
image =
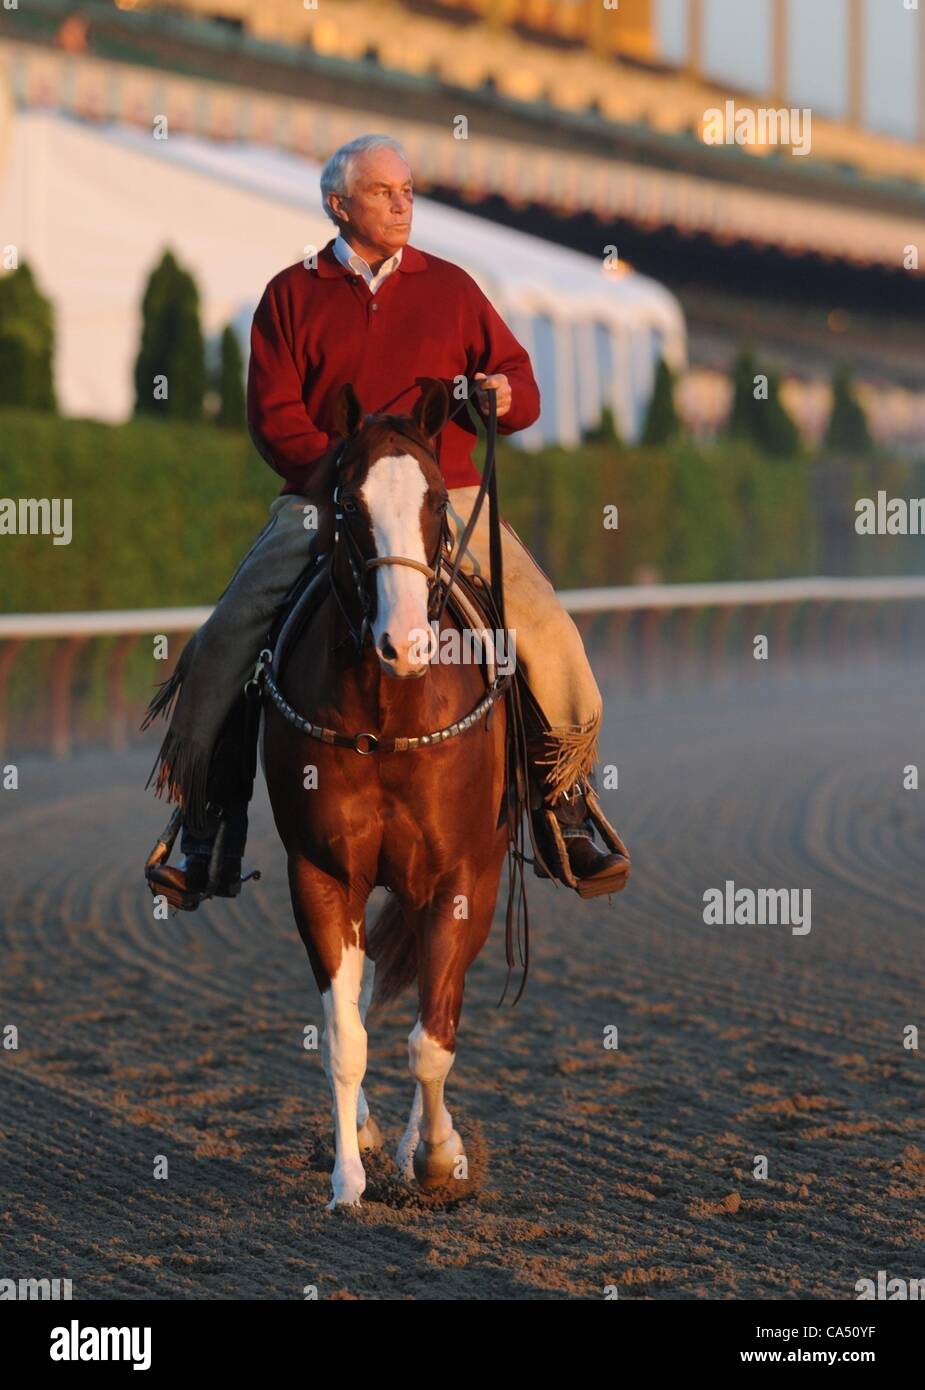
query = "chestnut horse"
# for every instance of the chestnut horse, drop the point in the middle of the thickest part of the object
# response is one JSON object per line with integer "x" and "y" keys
{"x": 425, "y": 822}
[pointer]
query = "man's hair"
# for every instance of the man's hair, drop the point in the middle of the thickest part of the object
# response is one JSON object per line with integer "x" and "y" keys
{"x": 336, "y": 174}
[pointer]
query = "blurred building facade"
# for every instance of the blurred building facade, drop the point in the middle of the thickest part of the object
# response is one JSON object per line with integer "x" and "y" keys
{"x": 555, "y": 120}
{"x": 607, "y": 26}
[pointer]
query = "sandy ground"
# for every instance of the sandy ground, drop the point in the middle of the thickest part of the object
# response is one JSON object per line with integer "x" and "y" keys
{"x": 631, "y": 1167}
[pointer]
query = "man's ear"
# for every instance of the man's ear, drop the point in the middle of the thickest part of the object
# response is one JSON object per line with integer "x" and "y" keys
{"x": 431, "y": 409}
{"x": 348, "y": 413}
{"x": 337, "y": 212}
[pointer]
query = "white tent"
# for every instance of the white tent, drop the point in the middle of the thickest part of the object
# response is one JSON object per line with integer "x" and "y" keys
{"x": 93, "y": 207}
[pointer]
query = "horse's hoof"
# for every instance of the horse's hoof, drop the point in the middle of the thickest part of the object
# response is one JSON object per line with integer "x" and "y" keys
{"x": 336, "y": 1203}
{"x": 437, "y": 1165}
{"x": 348, "y": 1184}
{"x": 369, "y": 1135}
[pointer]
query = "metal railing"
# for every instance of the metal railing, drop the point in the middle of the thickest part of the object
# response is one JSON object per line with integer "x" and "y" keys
{"x": 651, "y": 633}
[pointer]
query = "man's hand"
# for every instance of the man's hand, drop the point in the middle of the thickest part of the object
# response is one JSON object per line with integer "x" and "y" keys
{"x": 501, "y": 387}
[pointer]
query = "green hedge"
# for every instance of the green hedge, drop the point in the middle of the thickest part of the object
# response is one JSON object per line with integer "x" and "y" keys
{"x": 684, "y": 514}
{"x": 162, "y": 512}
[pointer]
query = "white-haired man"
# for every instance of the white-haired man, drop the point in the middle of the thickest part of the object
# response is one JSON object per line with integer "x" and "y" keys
{"x": 379, "y": 313}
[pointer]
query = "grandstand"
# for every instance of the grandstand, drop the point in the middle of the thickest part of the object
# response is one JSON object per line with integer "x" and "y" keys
{"x": 574, "y": 132}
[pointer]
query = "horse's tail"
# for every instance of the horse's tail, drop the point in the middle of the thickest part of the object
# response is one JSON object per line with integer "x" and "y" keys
{"x": 391, "y": 943}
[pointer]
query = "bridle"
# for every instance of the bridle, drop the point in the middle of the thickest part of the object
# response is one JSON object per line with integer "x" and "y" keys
{"x": 265, "y": 674}
{"x": 361, "y": 566}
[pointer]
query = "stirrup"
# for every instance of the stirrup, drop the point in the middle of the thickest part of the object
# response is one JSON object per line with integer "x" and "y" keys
{"x": 163, "y": 886}
{"x": 560, "y": 868}
{"x": 609, "y": 877}
{"x": 157, "y": 859}
{"x": 165, "y": 842}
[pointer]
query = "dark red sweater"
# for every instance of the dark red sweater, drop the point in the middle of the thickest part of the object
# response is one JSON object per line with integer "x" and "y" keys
{"x": 315, "y": 329}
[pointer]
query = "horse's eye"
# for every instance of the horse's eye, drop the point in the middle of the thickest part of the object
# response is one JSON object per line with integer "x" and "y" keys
{"x": 348, "y": 504}
{"x": 442, "y": 506}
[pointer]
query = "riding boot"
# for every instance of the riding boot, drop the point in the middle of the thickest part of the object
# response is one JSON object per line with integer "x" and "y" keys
{"x": 565, "y": 830}
{"x": 213, "y": 851}
{"x": 208, "y": 868}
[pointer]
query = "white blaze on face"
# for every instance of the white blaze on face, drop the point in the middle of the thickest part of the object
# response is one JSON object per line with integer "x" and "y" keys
{"x": 394, "y": 492}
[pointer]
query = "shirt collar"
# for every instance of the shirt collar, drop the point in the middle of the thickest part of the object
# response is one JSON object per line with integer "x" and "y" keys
{"x": 329, "y": 266}
{"x": 354, "y": 261}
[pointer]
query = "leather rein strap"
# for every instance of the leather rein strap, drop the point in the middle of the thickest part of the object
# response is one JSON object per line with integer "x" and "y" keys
{"x": 488, "y": 486}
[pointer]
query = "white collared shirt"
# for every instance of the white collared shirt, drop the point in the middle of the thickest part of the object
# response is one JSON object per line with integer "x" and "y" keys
{"x": 355, "y": 262}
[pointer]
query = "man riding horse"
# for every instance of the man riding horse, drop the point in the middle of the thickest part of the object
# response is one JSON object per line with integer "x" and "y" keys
{"x": 372, "y": 310}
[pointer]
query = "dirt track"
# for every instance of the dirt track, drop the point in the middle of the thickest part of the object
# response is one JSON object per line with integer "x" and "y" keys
{"x": 630, "y": 1167}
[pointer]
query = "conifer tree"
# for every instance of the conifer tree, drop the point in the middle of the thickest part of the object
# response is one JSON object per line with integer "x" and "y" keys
{"x": 27, "y": 342}
{"x": 662, "y": 422}
{"x": 758, "y": 414}
{"x": 848, "y": 431}
{"x": 231, "y": 411}
{"x": 170, "y": 372}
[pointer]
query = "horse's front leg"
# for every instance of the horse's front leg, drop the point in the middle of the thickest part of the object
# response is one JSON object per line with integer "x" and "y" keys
{"x": 331, "y": 923}
{"x": 446, "y": 948}
{"x": 439, "y": 1152}
{"x": 344, "y": 1054}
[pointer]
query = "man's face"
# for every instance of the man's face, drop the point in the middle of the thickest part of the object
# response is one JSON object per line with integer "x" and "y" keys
{"x": 379, "y": 204}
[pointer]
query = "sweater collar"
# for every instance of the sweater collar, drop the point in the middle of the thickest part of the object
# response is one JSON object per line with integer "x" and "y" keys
{"x": 329, "y": 267}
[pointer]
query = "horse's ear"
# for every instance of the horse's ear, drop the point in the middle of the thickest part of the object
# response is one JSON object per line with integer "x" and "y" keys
{"x": 431, "y": 409}
{"x": 348, "y": 413}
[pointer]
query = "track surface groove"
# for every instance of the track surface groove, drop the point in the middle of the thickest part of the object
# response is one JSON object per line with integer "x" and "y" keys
{"x": 631, "y": 1167}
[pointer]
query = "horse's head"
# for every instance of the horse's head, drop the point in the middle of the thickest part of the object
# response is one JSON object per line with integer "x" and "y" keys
{"x": 391, "y": 502}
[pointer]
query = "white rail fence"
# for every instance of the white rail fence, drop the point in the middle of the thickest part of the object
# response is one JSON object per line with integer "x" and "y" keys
{"x": 647, "y": 632}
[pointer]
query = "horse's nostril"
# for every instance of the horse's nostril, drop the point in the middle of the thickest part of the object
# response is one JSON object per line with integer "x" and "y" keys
{"x": 385, "y": 646}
